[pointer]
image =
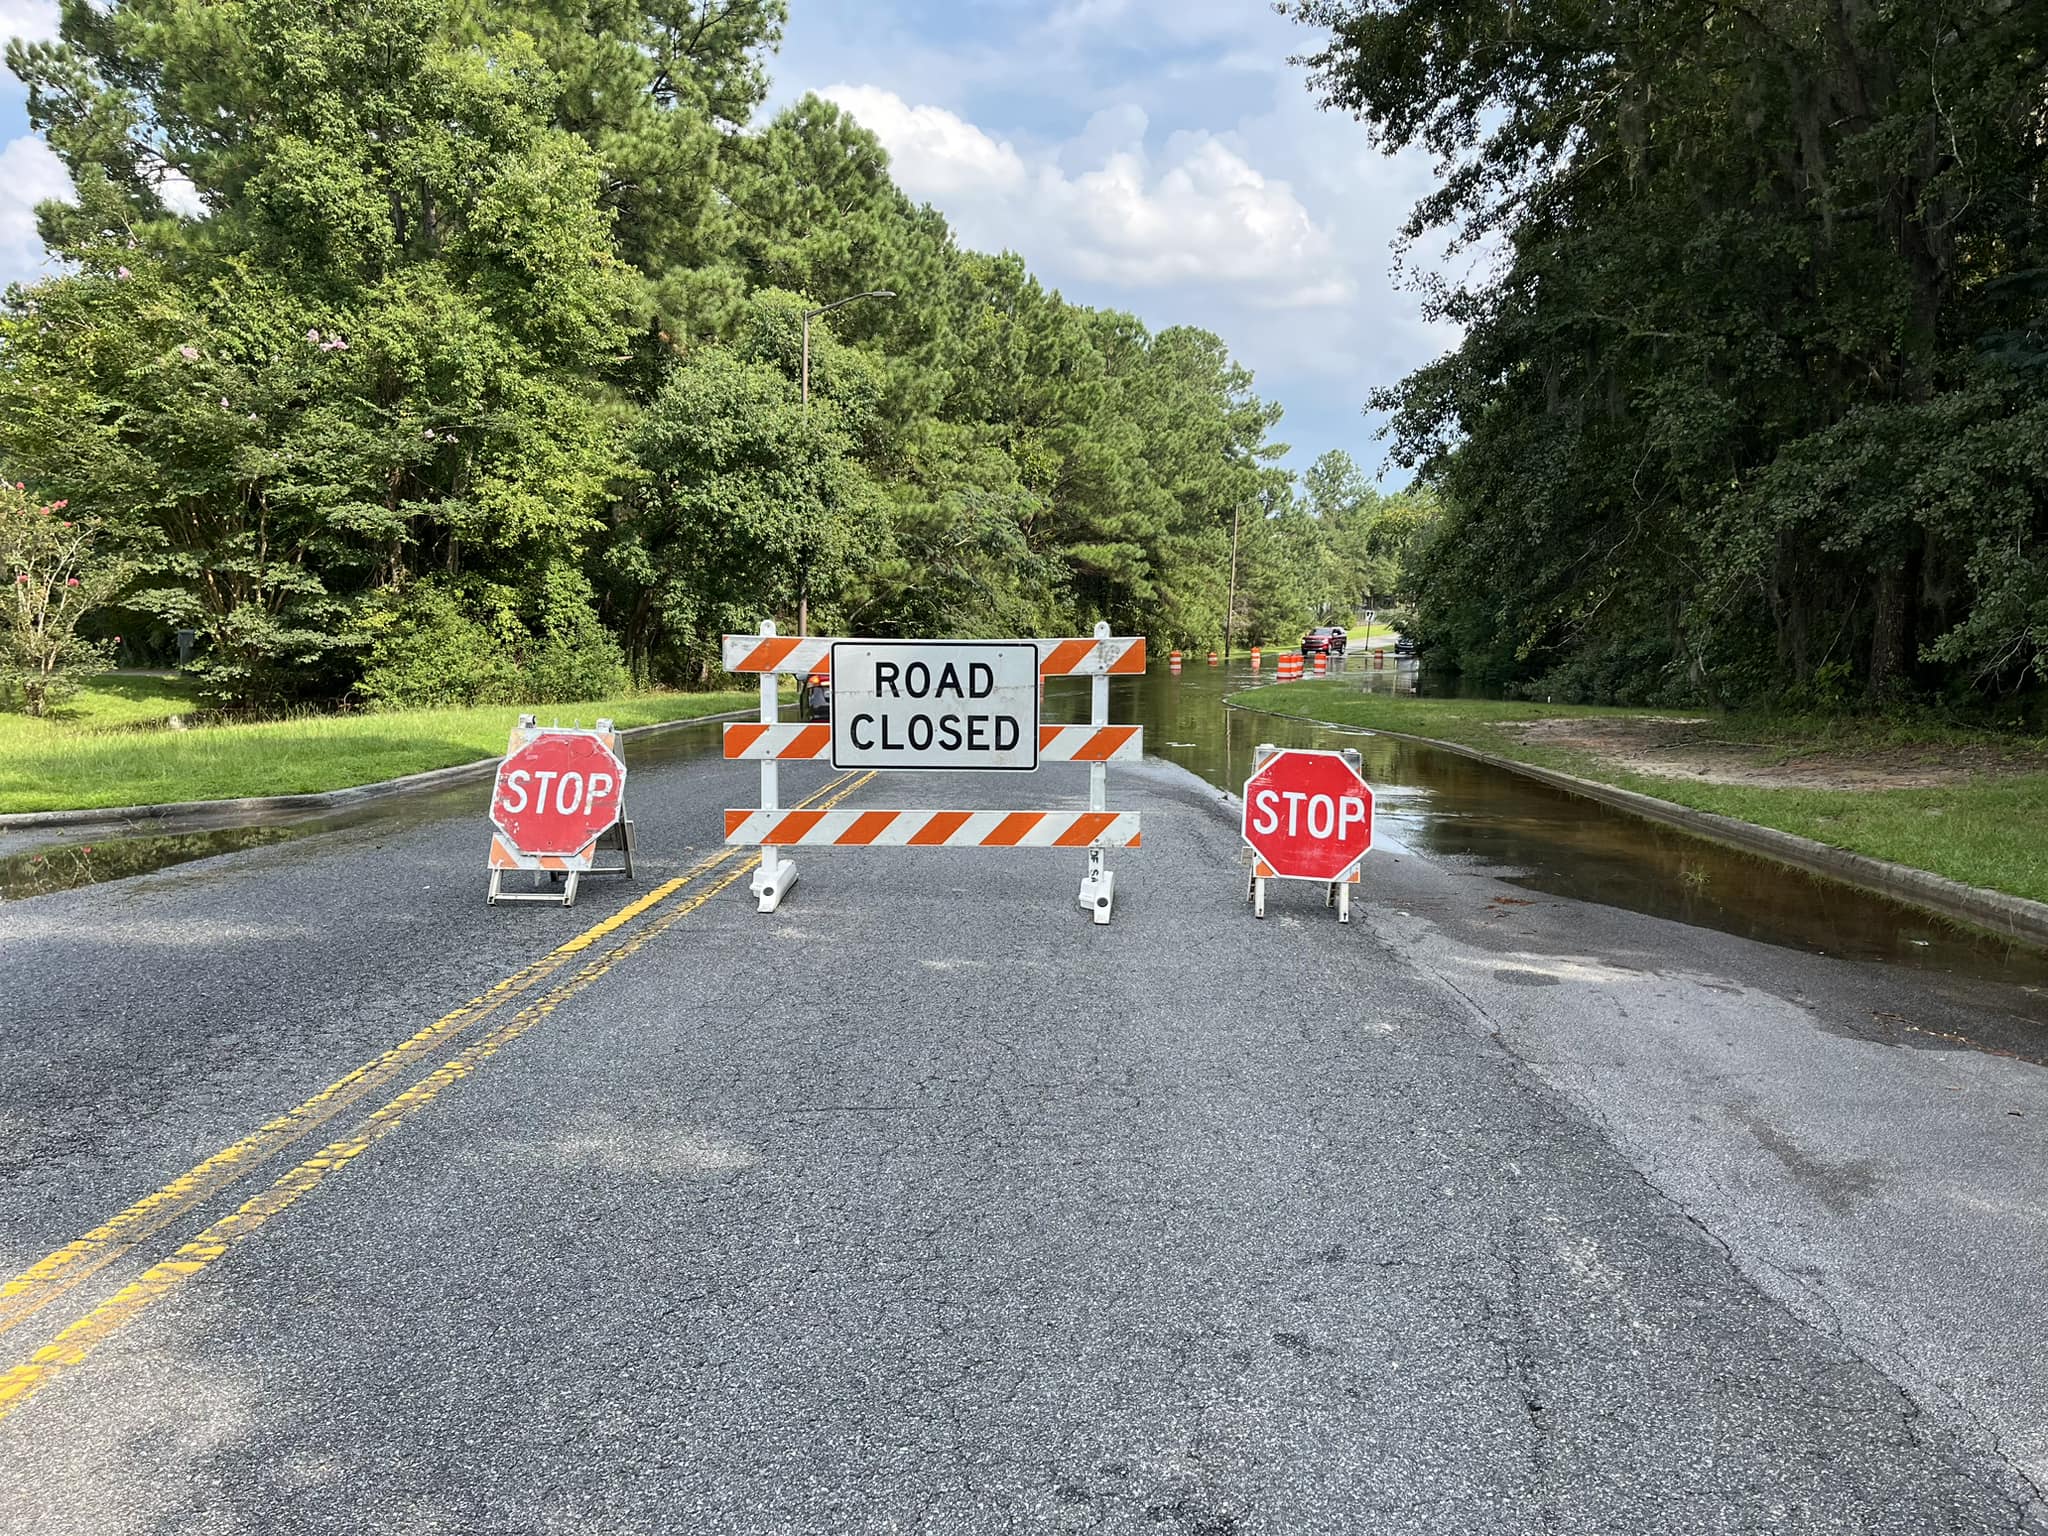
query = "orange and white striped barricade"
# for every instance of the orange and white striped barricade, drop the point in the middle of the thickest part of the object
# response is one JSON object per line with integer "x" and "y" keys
{"x": 559, "y": 798}
{"x": 1322, "y": 662}
{"x": 1288, "y": 668}
{"x": 1255, "y": 658}
{"x": 935, "y": 704}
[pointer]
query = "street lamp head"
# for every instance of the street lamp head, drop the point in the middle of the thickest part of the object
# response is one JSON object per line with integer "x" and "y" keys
{"x": 851, "y": 298}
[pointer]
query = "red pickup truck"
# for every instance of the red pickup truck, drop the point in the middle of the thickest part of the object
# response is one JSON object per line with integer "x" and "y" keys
{"x": 1329, "y": 640}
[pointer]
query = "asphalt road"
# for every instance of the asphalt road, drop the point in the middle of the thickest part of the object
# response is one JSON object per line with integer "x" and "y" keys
{"x": 926, "y": 1205}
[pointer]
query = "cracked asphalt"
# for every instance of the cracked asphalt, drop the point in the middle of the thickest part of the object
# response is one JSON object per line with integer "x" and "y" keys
{"x": 926, "y": 1205}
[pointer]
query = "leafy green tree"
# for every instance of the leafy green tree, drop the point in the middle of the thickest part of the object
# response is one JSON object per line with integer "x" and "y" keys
{"x": 1739, "y": 406}
{"x": 662, "y": 92}
{"x": 373, "y": 356}
{"x": 479, "y": 360}
{"x": 754, "y": 504}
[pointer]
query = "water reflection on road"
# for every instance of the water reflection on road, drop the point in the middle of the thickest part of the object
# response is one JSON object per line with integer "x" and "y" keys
{"x": 1450, "y": 806}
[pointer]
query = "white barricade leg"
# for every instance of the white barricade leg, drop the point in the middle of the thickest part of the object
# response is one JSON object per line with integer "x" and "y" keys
{"x": 776, "y": 874}
{"x": 1098, "y": 887}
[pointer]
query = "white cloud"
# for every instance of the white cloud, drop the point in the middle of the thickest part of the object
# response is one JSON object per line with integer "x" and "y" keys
{"x": 1104, "y": 208}
{"x": 29, "y": 174}
{"x": 934, "y": 154}
{"x": 33, "y": 21}
{"x": 180, "y": 196}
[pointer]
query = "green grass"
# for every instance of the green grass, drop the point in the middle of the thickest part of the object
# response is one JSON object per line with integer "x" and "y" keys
{"x": 1986, "y": 830}
{"x": 118, "y": 699}
{"x": 74, "y": 761}
{"x": 1361, "y": 633}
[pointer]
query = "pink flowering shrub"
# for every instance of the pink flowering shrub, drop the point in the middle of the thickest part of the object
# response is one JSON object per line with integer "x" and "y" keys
{"x": 53, "y": 577}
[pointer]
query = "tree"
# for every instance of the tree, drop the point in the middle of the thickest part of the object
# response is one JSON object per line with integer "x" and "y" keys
{"x": 56, "y": 576}
{"x": 753, "y": 504}
{"x": 1732, "y": 413}
{"x": 373, "y": 355}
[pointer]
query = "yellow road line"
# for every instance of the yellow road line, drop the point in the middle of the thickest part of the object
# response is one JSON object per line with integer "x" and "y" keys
{"x": 71, "y": 1347}
{"x": 57, "y": 1273}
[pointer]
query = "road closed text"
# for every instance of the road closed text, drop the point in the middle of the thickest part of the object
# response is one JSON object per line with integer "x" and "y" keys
{"x": 914, "y": 704}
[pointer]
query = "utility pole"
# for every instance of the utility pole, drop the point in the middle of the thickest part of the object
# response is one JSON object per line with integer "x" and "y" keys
{"x": 803, "y": 580}
{"x": 1230, "y": 604}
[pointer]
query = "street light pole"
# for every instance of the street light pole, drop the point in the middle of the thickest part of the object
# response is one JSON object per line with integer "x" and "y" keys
{"x": 1230, "y": 603}
{"x": 803, "y": 596}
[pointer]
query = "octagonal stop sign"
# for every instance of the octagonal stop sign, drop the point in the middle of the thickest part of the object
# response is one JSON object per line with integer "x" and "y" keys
{"x": 1308, "y": 814}
{"x": 558, "y": 793}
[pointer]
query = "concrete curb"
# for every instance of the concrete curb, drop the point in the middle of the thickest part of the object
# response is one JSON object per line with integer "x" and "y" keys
{"x": 2012, "y": 917}
{"x": 227, "y": 811}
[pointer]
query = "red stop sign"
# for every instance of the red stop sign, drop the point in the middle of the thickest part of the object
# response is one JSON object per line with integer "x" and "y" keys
{"x": 558, "y": 792}
{"x": 1308, "y": 814}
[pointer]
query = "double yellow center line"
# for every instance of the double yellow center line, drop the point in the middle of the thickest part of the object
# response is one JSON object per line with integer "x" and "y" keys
{"x": 51, "y": 1277}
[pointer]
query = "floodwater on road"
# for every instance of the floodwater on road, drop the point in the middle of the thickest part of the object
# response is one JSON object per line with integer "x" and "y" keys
{"x": 1446, "y": 805}
{"x": 1436, "y": 802}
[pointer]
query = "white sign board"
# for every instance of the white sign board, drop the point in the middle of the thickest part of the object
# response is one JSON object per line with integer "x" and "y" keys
{"x": 934, "y": 704}
{"x": 1370, "y": 615}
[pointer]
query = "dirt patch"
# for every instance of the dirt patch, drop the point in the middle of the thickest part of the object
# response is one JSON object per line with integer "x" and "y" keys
{"x": 1673, "y": 747}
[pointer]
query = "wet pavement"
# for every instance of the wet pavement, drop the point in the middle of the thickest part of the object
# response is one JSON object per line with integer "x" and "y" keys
{"x": 1550, "y": 841}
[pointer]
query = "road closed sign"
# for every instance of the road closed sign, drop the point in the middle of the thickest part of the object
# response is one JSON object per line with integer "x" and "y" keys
{"x": 921, "y": 704}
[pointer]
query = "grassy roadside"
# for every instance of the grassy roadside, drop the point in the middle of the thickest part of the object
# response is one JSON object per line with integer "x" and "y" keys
{"x": 1986, "y": 829}
{"x": 90, "y": 756}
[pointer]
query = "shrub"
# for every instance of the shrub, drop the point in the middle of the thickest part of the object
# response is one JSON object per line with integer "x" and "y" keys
{"x": 439, "y": 644}
{"x": 428, "y": 651}
{"x": 575, "y": 657}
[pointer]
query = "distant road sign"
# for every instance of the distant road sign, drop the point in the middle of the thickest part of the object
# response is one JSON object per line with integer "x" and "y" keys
{"x": 559, "y": 793}
{"x": 1308, "y": 814}
{"x": 1370, "y": 615}
{"x": 925, "y": 704}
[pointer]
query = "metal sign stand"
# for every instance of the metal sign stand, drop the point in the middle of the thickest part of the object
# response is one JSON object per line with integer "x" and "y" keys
{"x": 563, "y": 871}
{"x": 1338, "y": 892}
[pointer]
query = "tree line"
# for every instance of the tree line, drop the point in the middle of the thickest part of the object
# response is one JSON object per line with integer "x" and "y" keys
{"x": 415, "y": 351}
{"x": 1752, "y": 398}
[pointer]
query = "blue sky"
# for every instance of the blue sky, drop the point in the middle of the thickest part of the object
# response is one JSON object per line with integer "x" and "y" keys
{"x": 1161, "y": 156}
